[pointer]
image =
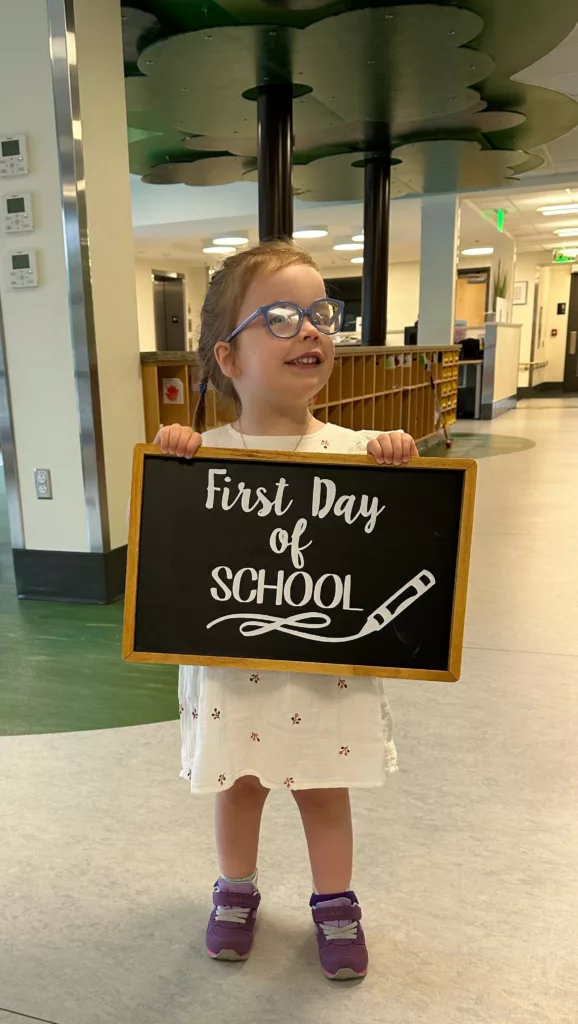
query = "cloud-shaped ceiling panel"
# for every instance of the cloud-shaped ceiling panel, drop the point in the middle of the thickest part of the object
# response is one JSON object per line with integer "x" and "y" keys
{"x": 449, "y": 166}
{"x": 198, "y": 80}
{"x": 423, "y": 68}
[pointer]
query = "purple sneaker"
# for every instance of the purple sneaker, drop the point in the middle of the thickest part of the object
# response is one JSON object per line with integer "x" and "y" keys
{"x": 231, "y": 925}
{"x": 342, "y": 949}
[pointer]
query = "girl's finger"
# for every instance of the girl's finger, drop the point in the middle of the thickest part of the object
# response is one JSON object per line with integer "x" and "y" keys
{"x": 193, "y": 444}
{"x": 174, "y": 435}
{"x": 414, "y": 450}
{"x": 163, "y": 436}
{"x": 397, "y": 450}
{"x": 184, "y": 438}
{"x": 375, "y": 450}
{"x": 406, "y": 446}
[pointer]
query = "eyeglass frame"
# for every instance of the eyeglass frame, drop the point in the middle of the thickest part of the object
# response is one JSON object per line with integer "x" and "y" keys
{"x": 302, "y": 314}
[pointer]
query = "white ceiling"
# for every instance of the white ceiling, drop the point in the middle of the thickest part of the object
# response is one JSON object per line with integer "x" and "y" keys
{"x": 558, "y": 70}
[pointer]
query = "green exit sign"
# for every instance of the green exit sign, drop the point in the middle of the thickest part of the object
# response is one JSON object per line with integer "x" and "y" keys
{"x": 563, "y": 256}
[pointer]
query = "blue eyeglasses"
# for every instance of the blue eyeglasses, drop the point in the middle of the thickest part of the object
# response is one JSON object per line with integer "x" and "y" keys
{"x": 284, "y": 319}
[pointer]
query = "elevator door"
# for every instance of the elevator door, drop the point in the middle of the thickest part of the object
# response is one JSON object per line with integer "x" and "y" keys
{"x": 571, "y": 363}
{"x": 169, "y": 303}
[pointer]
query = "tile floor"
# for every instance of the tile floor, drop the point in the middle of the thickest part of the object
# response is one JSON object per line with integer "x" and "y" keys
{"x": 466, "y": 859}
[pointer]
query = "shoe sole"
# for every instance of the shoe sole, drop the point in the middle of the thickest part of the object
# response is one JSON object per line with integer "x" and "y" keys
{"x": 227, "y": 954}
{"x": 346, "y": 974}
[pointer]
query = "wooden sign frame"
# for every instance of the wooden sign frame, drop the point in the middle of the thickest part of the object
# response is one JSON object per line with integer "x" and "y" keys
{"x": 467, "y": 466}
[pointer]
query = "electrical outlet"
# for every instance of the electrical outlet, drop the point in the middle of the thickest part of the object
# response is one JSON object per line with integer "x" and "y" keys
{"x": 43, "y": 483}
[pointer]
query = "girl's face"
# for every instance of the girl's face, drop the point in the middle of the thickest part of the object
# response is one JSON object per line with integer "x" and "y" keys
{"x": 266, "y": 369}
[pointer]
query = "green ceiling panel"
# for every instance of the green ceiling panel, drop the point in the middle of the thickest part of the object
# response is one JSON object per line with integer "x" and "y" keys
{"x": 429, "y": 72}
{"x": 214, "y": 170}
{"x": 338, "y": 179}
{"x": 449, "y": 166}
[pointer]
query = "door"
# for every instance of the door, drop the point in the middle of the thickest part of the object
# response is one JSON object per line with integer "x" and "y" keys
{"x": 472, "y": 296}
{"x": 169, "y": 303}
{"x": 571, "y": 365}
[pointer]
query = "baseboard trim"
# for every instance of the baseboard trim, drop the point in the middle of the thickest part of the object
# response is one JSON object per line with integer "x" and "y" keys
{"x": 70, "y": 576}
{"x": 490, "y": 410}
{"x": 552, "y": 388}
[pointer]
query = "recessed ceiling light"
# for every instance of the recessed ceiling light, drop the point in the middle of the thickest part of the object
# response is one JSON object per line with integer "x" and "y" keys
{"x": 566, "y": 231}
{"x": 481, "y": 250}
{"x": 348, "y": 246}
{"x": 553, "y": 211}
{"x": 311, "y": 233}
{"x": 214, "y": 250}
{"x": 357, "y": 259}
{"x": 232, "y": 240}
{"x": 568, "y": 252}
{"x": 358, "y": 238}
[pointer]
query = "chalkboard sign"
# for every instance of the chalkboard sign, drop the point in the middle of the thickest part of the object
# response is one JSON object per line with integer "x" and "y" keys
{"x": 312, "y": 563}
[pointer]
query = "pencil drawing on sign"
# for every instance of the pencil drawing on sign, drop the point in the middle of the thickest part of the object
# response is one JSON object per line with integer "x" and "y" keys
{"x": 304, "y": 624}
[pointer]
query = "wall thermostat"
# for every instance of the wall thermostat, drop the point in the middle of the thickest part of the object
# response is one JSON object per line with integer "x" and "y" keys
{"x": 13, "y": 156}
{"x": 22, "y": 269}
{"x": 17, "y": 213}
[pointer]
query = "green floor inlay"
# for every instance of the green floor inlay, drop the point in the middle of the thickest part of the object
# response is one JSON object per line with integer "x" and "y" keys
{"x": 478, "y": 446}
{"x": 61, "y": 668}
{"x": 60, "y": 665}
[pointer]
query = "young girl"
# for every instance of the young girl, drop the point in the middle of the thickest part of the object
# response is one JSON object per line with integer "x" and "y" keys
{"x": 266, "y": 343}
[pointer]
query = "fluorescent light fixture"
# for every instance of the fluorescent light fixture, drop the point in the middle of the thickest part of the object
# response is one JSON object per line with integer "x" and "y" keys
{"x": 357, "y": 259}
{"x": 233, "y": 240}
{"x": 481, "y": 250}
{"x": 554, "y": 211}
{"x": 348, "y": 246}
{"x": 566, "y": 232}
{"x": 311, "y": 233}
{"x": 569, "y": 252}
{"x": 358, "y": 238}
{"x": 214, "y": 250}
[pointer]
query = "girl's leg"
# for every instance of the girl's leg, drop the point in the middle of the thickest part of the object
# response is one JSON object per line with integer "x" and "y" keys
{"x": 238, "y": 814}
{"x": 326, "y": 816}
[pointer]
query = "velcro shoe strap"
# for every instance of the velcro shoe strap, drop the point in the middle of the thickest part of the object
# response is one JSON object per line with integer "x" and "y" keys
{"x": 236, "y": 899}
{"x": 323, "y": 914}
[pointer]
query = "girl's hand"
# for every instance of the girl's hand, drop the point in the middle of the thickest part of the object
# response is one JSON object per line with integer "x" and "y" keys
{"x": 393, "y": 449}
{"x": 178, "y": 440}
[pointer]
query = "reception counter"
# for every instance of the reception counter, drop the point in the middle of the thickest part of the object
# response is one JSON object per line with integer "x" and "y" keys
{"x": 379, "y": 388}
{"x": 501, "y": 343}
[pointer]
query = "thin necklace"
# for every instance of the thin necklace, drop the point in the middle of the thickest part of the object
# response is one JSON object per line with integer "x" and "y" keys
{"x": 293, "y": 449}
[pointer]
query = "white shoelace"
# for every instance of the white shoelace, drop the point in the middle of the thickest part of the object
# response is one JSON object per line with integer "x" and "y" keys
{"x": 232, "y": 915}
{"x": 333, "y": 931}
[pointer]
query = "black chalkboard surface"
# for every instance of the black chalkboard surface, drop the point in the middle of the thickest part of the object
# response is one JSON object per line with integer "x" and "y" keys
{"x": 313, "y": 563}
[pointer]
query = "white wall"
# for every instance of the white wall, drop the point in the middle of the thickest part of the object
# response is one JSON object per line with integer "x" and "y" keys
{"x": 196, "y": 280}
{"x": 102, "y": 103}
{"x": 36, "y": 321}
{"x": 526, "y": 270}
{"x": 402, "y": 295}
{"x": 145, "y": 306}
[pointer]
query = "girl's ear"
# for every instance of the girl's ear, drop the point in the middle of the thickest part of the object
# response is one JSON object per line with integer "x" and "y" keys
{"x": 225, "y": 357}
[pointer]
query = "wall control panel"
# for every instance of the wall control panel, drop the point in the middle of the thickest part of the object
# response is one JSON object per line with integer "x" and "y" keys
{"x": 13, "y": 156}
{"x": 22, "y": 271}
{"x": 17, "y": 213}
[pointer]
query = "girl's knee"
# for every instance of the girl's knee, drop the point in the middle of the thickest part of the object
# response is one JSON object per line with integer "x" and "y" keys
{"x": 248, "y": 787}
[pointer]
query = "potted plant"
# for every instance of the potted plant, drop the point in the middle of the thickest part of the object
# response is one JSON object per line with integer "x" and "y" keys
{"x": 500, "y": 304}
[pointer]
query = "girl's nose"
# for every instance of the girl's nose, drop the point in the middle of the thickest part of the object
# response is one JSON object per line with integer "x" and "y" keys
{"x": 308, "y": 330}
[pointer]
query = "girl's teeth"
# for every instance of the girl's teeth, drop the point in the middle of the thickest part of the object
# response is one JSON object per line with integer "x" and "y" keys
{"x": 312, "y": 359}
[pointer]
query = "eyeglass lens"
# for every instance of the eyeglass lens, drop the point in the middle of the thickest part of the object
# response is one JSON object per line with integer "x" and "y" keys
{"x": 284, "y": 319}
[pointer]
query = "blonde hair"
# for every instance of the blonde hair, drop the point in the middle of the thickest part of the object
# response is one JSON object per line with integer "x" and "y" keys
{"x": 219, "y": 315}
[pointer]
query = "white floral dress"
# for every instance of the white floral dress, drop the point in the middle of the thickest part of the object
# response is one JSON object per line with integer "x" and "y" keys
{"x": 286, "y": 728}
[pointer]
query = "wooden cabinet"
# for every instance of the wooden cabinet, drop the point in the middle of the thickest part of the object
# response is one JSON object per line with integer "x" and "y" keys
{"x": 369, "y": 389}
